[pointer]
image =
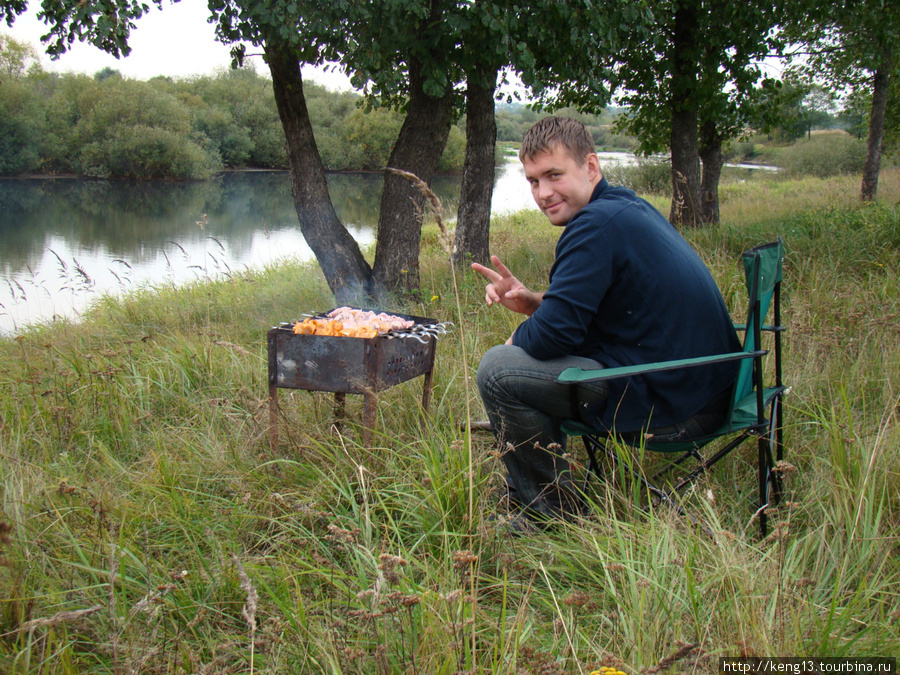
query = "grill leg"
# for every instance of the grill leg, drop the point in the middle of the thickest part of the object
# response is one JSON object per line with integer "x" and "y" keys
{"x": 339, "y": 410}
{"x": 426, "y": 391}
{"x": 370, "y": 402}
{"x": 273, "y": 417}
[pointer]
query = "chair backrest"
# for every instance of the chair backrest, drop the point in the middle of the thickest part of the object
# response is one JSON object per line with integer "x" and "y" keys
{"x": 763, "y": 273}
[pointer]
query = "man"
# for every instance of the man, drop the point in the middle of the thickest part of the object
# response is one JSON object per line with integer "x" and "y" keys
{"x": 625, "y": 288}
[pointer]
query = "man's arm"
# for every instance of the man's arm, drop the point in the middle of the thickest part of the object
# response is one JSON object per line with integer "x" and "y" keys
{"x": 582, "y": 274}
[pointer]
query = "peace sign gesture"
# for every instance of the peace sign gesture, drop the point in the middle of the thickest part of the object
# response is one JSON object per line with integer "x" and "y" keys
{"x": 506, "y": 289}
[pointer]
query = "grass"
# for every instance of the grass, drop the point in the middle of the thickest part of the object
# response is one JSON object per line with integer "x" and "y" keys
{"x": 147, "y": 526}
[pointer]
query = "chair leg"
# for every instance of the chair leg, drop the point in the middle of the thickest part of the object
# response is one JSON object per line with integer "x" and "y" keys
{"x": 775, "y": 447}
{"x": 590, "y": 444}
{"x": 707, "y": 463}
{"x": 690, "y": 454}
{"x": 770, "y": 448}
{"x": 770, "y": 484}
{"x": 661, "y": 496}
{"x": 762, "y": 444}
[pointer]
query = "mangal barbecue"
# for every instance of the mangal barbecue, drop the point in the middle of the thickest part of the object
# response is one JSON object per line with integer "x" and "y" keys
{"x": 350, "y": 350}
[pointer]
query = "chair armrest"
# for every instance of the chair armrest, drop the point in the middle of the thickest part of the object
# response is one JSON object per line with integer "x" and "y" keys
{"x": 581, "y": 375}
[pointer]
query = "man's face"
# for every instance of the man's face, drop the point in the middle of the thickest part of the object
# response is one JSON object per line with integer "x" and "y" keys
{"x": 560, "y": 186}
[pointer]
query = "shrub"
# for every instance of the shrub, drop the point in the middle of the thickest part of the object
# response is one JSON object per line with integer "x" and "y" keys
{"x": 144, "y": 152}
{"x": 232, "y": 142}
{"x": 646, "y": 176}
{"x": 454, "y": 152}
{"x": 63, "y": 98}
{"x": 743, "y": 151}
{"x": 236, "y": 110}
{"x": 20, "y": 128}
{"x": 371, "y": 136}
{"x": 116, "y": 102}
{"x": 823, "y": 155}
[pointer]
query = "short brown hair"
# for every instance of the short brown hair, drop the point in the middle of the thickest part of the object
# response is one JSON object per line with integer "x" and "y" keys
{"x": 551, "y": 131}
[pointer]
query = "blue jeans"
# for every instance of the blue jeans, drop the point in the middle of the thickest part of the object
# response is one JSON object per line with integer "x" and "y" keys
{"x": 526, "y": 405}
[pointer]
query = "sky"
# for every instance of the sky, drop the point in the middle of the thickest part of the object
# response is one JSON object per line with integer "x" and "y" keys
{"x": 175, "y": 41}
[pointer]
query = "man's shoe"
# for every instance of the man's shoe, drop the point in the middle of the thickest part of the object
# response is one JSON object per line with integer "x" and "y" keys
{"x": 514, "y": 524}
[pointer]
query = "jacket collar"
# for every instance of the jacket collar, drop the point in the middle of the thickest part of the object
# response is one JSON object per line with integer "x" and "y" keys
{"x": 600, "y": 188}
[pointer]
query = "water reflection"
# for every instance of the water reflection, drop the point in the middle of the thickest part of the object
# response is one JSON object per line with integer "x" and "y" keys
{"x": 127, "y": 219}
{"x": 66, "y": 241}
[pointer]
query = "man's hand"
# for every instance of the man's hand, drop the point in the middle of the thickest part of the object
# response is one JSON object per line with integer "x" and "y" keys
{"x": 506, "y": 289}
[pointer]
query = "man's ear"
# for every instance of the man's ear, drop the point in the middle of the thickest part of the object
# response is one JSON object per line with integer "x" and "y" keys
{"x": 593, "y": 165}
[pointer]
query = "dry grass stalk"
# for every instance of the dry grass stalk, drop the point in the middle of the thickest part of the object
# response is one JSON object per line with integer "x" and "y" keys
{"x": 433, "y": 200}
{"x": 683, "y": 651}
{"x": 58, "y": 618}
{"x": 559, "y": 614}
{"x": 5, "y": 538}
{"x": 5, "y": 533}
{"x": 249, "y": 609}
{"x": 232, "y": 346}
{"x": 111, "y": 605}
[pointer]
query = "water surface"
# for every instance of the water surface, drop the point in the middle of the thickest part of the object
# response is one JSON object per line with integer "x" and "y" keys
{"x": 66, "y": 241}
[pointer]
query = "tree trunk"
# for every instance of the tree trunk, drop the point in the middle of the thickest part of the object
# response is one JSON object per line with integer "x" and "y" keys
{"x": 713, "y": 160}
{"x": 880, "y": 90}
{"x": 685, "y": 169}
{"x": 472, "y": 241}
{"x": 684, "y": 106}
{"x": 417, "y": 150}
{"x": 338, "y": 254}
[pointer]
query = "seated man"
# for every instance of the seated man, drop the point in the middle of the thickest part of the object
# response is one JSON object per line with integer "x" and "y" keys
{"x": 625, "y": 288}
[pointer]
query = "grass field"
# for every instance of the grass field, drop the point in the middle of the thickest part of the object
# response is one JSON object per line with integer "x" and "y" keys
{"x": 146, "y": 526}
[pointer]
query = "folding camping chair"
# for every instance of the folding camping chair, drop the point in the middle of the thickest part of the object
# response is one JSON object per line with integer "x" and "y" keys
{"x": 756, "y": 409}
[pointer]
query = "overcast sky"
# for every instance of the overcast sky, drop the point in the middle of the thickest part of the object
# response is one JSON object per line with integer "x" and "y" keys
{"x": 175, "y": 41}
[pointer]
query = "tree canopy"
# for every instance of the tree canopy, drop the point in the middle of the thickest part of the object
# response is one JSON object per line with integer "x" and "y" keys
{"x": 854, "y": 48}
{"x": 694, "y": 83}
{"x": 689, "y": 71}
{"x": 16, "y": 58}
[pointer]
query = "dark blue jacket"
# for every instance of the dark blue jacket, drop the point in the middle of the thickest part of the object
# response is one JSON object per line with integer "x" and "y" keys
{"x": 625, "y": 289}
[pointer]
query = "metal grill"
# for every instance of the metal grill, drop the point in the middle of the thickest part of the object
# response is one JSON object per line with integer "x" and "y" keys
{"x": 351, "y": 365}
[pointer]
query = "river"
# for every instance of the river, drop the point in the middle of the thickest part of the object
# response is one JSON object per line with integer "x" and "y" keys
{"x": 67, "y": 241}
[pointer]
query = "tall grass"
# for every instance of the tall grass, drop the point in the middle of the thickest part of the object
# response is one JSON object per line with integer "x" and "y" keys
{"x": 147, "y": 525}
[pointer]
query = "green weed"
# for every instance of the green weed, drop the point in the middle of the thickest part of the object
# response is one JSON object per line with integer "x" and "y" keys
{"x": 147, "y": 525}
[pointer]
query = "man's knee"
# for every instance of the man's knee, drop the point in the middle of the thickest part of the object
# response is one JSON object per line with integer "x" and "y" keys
{"x": 494, "y": 362}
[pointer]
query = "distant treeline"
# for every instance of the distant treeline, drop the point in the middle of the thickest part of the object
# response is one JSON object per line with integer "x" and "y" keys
{"x": 107, "y": 126}
{"x": 513, "y": 120}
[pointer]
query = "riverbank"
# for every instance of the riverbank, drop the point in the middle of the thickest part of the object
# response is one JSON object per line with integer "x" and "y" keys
{"x": 147, "y": 524}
